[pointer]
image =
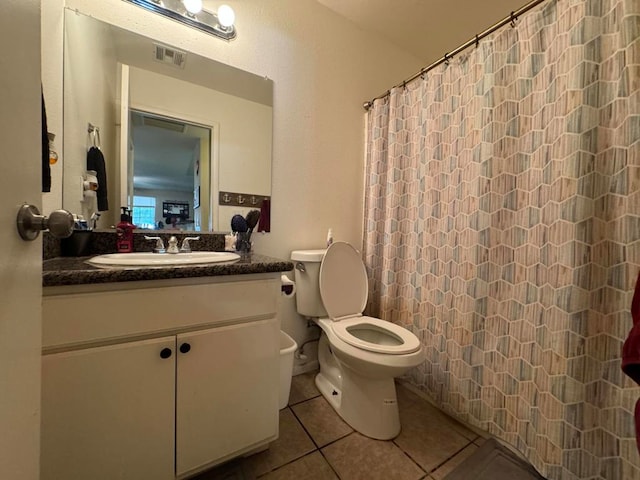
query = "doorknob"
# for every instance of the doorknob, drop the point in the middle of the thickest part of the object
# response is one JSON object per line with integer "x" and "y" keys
{"x": 30, "y": 222}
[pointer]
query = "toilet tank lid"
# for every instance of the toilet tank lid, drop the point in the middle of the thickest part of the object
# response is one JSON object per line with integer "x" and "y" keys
{"x": 308, "y": 255}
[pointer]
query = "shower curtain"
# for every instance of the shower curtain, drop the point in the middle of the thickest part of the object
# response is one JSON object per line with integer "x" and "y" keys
{"x": 502, "y": 227}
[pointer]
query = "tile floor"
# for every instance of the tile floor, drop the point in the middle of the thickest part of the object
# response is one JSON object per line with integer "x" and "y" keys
{"x": 316, "y": 444}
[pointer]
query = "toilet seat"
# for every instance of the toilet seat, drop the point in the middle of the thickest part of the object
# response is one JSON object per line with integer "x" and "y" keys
{"x": 344, "y": 290}
{"x": 376, "y": 335}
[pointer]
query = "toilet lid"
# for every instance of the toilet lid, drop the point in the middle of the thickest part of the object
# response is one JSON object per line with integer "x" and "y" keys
{"x": 343, "y": 281}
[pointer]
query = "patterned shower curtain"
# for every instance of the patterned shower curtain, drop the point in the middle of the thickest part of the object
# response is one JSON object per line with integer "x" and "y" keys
{"x": 502, "y": 227}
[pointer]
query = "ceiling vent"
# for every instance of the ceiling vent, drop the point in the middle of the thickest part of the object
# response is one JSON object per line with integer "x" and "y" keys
{"x": 169, "y": 55}
{"x": 165, "y": 124}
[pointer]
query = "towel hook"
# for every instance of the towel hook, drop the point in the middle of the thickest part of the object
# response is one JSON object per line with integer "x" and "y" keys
{"x": 94, "y": 135}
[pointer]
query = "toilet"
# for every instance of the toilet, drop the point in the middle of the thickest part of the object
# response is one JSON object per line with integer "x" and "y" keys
{"x": 359, "y": 356}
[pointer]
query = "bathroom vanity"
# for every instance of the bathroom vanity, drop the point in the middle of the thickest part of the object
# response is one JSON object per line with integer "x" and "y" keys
{"x": 157, "y": 373}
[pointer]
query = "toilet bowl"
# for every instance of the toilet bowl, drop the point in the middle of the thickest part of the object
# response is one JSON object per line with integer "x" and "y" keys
{"x": 359, "y": 356}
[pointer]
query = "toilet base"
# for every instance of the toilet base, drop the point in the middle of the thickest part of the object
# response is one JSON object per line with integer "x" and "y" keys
{"x": 369, "y": 406}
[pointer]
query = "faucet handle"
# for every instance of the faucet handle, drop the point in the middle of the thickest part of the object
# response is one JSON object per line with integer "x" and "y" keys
{"x": 159, "y": 248}
{"x": 173, "y": 245}
{"x": 186, "y": 248}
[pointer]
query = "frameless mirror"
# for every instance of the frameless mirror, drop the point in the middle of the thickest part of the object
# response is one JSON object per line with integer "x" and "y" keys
{"x": 186, "y": 140}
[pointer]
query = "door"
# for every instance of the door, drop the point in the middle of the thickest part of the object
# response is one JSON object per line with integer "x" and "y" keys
{"x": 20, "y": 262}
{"x": 109, "y": 412}
{"x": 226, "y": 392}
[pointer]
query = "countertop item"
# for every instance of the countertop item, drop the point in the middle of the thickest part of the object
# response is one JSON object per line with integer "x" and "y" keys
{"x": 76, "y": 271}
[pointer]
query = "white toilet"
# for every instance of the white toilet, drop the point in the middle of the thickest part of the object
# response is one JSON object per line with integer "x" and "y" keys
{"x": 359, "y": 356}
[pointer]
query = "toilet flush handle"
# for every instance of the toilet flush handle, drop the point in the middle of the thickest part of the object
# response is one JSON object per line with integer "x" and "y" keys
{"x": 300, "y": 266}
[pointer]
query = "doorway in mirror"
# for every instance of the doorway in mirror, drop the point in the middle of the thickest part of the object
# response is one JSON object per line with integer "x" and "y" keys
{"x": 170, "y": 164}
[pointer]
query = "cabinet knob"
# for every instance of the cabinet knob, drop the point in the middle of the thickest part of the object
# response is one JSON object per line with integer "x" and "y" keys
{"x": 185, "y": 347}
{"x": 165, "y": 353}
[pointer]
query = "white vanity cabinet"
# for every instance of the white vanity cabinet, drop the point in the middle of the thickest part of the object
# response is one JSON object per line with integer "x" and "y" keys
{"x": 107, "y": 412}
{"x": 159, "y": 381}
{"x": 226, "y": 413}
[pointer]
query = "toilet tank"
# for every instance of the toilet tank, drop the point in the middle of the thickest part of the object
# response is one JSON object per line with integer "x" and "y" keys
{"x": 307, "y": 275}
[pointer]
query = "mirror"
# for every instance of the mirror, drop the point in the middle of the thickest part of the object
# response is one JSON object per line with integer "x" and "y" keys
{"x": 186, "y": 140}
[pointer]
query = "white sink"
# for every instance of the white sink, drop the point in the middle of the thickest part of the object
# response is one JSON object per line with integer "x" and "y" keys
{"x": 149, "y": 259}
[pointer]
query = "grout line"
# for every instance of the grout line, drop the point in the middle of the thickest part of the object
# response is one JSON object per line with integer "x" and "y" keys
{"x": 338, "y": 439}
{"x": 305, "y": 429}
{"x": 311, "y": 437}
{"x": 451, "y": 457}
{"x": 393, "y": 441}
{"x": 303, "y": 400}
{"x": 298, "y": 457}
{"x": 285, "y": 464}
{"x": 329, "y": 463}
{"x": 317, "y": 449}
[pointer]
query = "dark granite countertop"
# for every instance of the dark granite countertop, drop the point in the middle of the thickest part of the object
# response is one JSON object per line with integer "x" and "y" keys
{"x": 75, "y": 271}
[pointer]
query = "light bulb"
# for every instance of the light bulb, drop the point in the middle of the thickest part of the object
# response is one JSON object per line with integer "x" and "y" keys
{"x": 193, "y": 6}
{"x": 226, "y": 16}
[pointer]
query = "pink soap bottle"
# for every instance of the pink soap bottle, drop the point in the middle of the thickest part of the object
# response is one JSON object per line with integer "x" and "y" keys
{"x": 124, "y": 232}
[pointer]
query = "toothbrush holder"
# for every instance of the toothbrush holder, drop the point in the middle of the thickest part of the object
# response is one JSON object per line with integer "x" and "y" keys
{"x": 243, "y": 243}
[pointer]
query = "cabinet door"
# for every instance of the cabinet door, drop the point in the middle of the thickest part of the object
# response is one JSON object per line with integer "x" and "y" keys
{"x": 108, "y": 412}
{"x": 226, "y": 392}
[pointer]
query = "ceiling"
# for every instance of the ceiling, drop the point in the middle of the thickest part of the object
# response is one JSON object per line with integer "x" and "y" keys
{"x": 426, "y": 28}
{"x": 164, "y": 159}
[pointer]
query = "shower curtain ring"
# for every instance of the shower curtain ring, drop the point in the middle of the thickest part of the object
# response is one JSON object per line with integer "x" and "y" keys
{"x": 477, "y": 40}
{"x": 513, "y": 19}
{"x": 446, "y": 59}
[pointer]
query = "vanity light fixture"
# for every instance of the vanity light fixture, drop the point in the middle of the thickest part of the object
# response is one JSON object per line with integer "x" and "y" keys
{"x": 191, "y": 13}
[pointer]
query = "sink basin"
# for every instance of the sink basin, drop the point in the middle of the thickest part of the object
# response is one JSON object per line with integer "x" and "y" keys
{"x": 149, "y": 259}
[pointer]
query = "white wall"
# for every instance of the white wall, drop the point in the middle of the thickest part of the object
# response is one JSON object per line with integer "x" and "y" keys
{"x": 323, "y": 68}
{"x": 245, "y": 126}
{"x": 90, "y": 82}
{"x": 52, "y": 21}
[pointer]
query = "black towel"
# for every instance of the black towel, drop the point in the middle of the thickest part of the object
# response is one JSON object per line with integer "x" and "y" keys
{"x": 46, "y": 168}
{"x": 95, "y": 161}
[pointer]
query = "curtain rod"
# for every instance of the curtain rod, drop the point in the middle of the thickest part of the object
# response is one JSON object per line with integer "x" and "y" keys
{"x": 511, "y": 19}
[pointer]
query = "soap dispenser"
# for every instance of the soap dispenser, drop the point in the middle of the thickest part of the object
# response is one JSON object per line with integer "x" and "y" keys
{"x": 124, "y": 232}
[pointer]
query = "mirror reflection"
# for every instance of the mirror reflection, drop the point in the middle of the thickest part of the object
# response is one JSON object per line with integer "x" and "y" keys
{"x": 168, "y": 180}
{"x": 186, "y": 140}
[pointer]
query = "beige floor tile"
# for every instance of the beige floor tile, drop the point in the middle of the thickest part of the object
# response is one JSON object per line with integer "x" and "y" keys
{"x": 321, "y": 421}
{"x": 357, "y": 457}
{"x": 303, "y": 387}
{"x": 441, "y": 472}
{"x": 429, "y": 436}
{"x": 234, "y": 470}
{"x": 309, "y": 467}
{"x": 480, "y": 441}
{"x": 408, "y": 400}
{"x": 293, "y": 443}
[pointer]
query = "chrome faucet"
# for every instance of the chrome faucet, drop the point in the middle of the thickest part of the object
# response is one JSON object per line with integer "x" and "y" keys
{"x": 173, "y": 245}
{"x": 159, "y": 248}
{"x": 186, "y": 248}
